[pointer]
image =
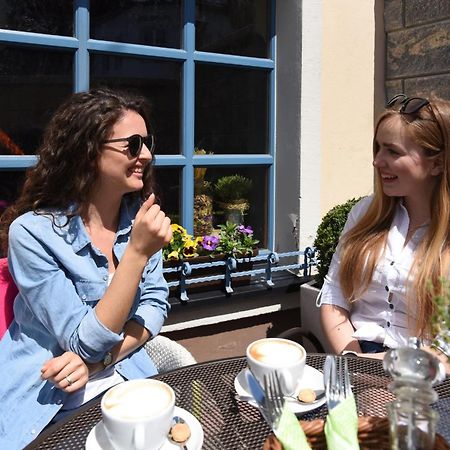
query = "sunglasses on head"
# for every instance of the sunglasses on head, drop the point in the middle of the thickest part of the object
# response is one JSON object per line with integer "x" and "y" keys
{"x": 407, "y": 105}
{"x": 135, "y": 143}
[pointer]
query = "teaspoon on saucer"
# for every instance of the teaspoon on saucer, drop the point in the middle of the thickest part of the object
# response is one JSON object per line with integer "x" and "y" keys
{"x": 319, "y": 395}
{"x": 179, "y": 433}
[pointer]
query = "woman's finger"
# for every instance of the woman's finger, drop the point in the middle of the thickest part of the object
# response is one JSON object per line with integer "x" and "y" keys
{"x": 145, "y": 207}
{"x": 168, "y": 230}
{"x": 54, "y": 366}
{"x": 72, "y": 381}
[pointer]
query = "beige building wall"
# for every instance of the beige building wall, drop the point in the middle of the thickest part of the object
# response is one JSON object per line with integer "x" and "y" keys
{"x": 330, "y": 80}
{"x": 347, "y": 98}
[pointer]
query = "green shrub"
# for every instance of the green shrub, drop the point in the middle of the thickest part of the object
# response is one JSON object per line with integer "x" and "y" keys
{"x": 327, "y": 236}
{"x": 440, "y": 321}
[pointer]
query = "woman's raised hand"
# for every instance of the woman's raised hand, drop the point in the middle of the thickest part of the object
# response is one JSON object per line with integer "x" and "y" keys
{"x": 151, "y": 229}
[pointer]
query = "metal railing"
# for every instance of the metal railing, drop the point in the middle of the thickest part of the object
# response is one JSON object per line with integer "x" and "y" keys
{"x": 266, "y": 265}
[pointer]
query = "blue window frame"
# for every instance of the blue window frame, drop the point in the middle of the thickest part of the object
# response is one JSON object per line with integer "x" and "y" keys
{"x": 83, "y": 50}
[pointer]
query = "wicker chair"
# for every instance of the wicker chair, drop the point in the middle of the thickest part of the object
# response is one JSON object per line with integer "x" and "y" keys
{"x": 167, "y": 354}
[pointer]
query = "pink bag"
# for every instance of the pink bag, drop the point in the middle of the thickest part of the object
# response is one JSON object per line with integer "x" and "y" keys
{"x": 8, "y": 292}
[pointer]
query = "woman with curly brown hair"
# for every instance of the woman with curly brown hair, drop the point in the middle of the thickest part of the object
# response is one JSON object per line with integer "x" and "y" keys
{"x": 85, "y": 239}
{"x": 397, "y": 241}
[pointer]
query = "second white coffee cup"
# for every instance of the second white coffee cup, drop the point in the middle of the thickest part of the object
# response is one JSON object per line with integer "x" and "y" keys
{"x": 284, "y": 356}
{"x": 137, "y": 414}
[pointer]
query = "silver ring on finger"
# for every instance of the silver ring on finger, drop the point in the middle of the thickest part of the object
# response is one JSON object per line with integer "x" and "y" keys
{"x": 69, "y": 380}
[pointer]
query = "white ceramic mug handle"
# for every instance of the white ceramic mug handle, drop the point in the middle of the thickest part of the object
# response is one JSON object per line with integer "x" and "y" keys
{"x": 287, "y": 383}
{"x": 139, "y": 437}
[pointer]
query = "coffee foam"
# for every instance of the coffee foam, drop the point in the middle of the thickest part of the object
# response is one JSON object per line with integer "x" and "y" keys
{"x": 276, "y": 352}
{"x": 137, "y": 401}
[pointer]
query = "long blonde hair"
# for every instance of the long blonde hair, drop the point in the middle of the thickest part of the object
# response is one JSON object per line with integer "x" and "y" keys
{"x": 362, "y": 246}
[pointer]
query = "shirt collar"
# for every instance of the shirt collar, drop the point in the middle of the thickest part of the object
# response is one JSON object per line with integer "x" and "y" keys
{"x": 76, "y": 231}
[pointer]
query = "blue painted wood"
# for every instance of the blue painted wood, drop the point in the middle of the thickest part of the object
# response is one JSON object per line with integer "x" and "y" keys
{"x": 135, "y": 49}
{"x": 81, "y": 72}
{"x": 170, "y": 160}
{"x": 271, "y": 207}
{"x": 234, "y": 60}
{"x": 14, "y": 162}
{"x": 38, "y": 39}
{"x": 233, "y": 159}
{"x": 188, "y": 117}
{"x": 186, "y": 161}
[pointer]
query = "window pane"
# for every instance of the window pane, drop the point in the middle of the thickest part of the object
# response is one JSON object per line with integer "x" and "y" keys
{"x": 158, "y": 81}
{"x": 33, "y": 83}
{"x": 231, "y": 113}
{"x": 10, "y": 186}
{"x": 148, "y": 22}
{"x": 238, "y": 195}
{"x": 168, "y": 191}
{"x": 235, "y": 27}
{"x": 43, "y": 16}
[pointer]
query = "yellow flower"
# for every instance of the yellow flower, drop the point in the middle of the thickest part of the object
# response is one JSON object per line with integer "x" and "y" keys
{"x": 190, "y": 248}
{"x": 173, "y": 255}
{"x": 187, "y": 238}
{"x": 178, "y": 229}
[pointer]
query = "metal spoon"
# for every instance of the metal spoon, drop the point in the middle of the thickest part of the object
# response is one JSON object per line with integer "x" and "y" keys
{"x": 182, "y": 444}
{"x": 319, "y": 395}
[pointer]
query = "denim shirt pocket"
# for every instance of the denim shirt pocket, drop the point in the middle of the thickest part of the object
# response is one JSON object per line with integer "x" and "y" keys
{"x": 89, "y": 291}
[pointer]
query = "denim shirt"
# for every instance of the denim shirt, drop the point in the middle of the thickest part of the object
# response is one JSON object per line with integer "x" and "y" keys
{"x": 61, "y": 276}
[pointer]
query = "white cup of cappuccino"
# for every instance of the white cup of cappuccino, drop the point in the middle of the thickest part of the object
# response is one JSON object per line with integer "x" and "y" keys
{"x": 137, "y": 414}
{"x": 284, "y": 356}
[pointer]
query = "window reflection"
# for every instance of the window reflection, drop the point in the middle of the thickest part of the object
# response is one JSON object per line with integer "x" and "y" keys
{"x": 158, "y": 81}
{"x": 148, "y": 22}
{"x": 43, "y": 16}
{"x": 33, "y": 83}
{"x": 231, "y": 110}
{"x": 235, "y": 194}
{"x": 234, "y": 27}
{"x": 168, "y": 191}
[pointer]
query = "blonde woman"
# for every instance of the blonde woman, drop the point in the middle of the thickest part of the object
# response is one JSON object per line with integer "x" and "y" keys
{"x": 397, "y": 241}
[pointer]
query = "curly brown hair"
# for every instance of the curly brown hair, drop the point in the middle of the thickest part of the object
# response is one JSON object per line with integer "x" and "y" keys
{"x": 67, "y": 166}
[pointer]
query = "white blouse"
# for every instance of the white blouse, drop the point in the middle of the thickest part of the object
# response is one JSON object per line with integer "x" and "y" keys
{"x": 381, "y": 314}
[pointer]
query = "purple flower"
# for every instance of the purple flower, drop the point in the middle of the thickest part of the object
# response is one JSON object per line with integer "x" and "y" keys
{"x": 210, "y": 242}
{"x": 246, "y": 230}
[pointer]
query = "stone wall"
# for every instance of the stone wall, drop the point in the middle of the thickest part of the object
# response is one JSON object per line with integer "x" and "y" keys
{"x": 417, "y": 47}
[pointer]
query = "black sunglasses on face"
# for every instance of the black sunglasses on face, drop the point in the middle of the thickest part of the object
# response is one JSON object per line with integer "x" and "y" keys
{"x": 135, "y": 143}
{"x": 407, "y": 105}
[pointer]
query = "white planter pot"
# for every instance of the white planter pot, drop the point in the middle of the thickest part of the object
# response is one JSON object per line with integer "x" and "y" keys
{"x": 310, "y": 313}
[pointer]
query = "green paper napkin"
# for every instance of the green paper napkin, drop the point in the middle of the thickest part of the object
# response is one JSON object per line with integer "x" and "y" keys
{"x": 290, "y": 433}
{"x": 341, "y": 427}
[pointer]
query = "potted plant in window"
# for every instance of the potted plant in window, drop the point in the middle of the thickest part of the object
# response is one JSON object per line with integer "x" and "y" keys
{"x": 203, "y": 204}
{"x": 232, "y": 196}
{"x": 325, "y": 243}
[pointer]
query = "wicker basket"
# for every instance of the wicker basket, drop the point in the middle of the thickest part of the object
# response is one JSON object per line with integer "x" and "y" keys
{"x": 373, "y": 433}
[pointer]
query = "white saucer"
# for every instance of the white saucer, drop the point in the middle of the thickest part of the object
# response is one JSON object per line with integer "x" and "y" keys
{"x": 312, "y": 378}
{"x": 97, "y": 439}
